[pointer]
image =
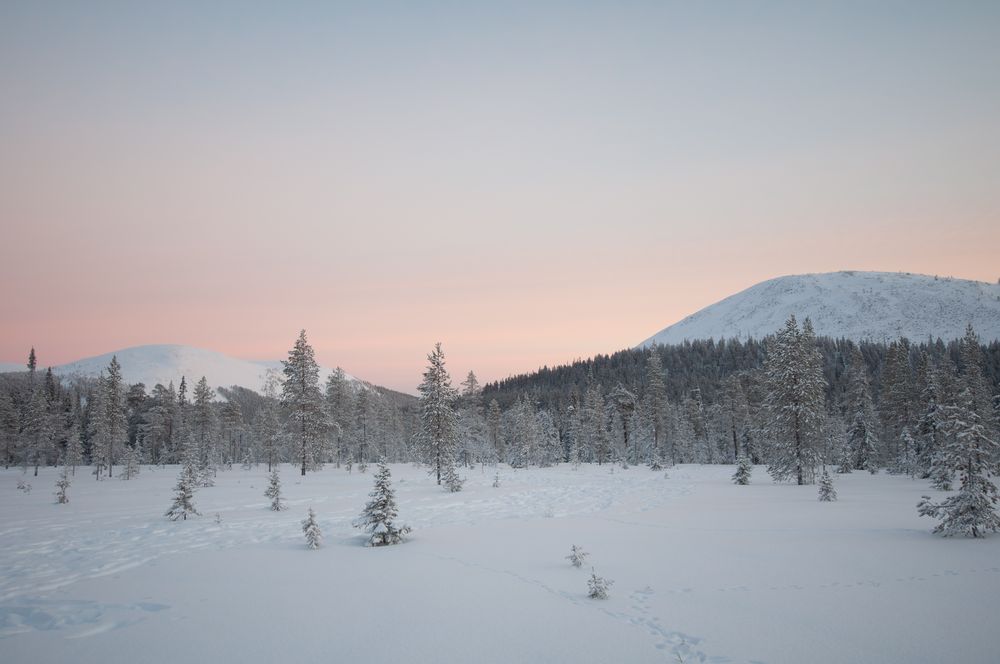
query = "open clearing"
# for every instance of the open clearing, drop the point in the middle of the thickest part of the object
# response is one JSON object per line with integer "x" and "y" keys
{"x": 702, "y": 568}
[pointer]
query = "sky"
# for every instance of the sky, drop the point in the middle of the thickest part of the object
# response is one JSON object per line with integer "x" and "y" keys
{"x": 526, "y": 183}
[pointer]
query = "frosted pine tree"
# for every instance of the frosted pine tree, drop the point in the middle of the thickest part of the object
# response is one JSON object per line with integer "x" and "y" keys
{"x": 862, "y": 434}
{"x": 906, "y": 459}
{"x": 451, "y": 479}
{"x": 743, "y": 471}
{"x": 184, "y": 494}
{"x": 274, "y": 491}
{"x": 598, "y": 586}
{"x": 116, "y": 420}
{"x": 339, "y": 404}
{"x": 577, "y": 556}
{"x": 437, "y": 417}
{"x": 655, "y": 462}
{"x": 203, "y": 429}
{"x": 130, "y": 463}
{"x": 970, "y": 453}
{"x": 795, "y": 402}
{"x": 826, "y": 491}
{"x": 61, "y": 485}
{"x": 97, "y": 422}
{"x": 310, "y": 528}
{"x": 656, "y": 401}
{"x": 74, "y": 446}
{"x": 380, "y": 512}
{"x": 301, "y": 395}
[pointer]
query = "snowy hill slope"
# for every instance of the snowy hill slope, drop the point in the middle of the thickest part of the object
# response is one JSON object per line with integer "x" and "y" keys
{"x": 877, "y": 306}
{"x": 163, "y": 363}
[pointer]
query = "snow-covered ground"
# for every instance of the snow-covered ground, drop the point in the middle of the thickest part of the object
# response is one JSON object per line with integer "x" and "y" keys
{"x": 702, "y": 568}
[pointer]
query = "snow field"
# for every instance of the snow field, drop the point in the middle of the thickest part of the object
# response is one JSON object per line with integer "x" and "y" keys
{"x": 702, "y": 568}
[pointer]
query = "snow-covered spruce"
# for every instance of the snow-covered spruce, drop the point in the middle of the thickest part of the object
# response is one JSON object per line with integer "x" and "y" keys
{"x": 438, "y": 422}
{"x": 184, "y": 496}
{"x": 301, "y": 395}
{"x": 794, "y": 402}
{"x": 655, "y": 461}
{"x": 130, "y": 462}
{"x": 380, "y": 512}
{"x": 496, "y": 481}
{"x": 972, "y": 511}
{"x": 310, "y": 528}
{"x": 577, "y": 556}
{"x": 826, "y": 491}
{"x": 274, "y": 491}
{"x": 61, "y": 485}
{"x": 743, "y": 470}
{"x": 452, "y": 481}
{"x": 598, "y": 586}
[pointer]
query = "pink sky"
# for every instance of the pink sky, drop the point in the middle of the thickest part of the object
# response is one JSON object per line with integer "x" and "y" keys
{"x": 389, "y": 181}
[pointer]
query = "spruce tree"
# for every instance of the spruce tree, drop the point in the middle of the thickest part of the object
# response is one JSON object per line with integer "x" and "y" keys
{"x": 381, "y": 511}
{"x": 743, "y": 471}
{"x": 274, "y": 491}
{"x": 862, "y": 434}
{"x": 655, "y": 461}
{"x": 598, "y": 586}
{"x": 795, "y": 402}
{"x": 203, "y": 428}
{"x": 437, "y": 418}
{"x": 453, "y": 482}
{"x": 493, "y": 429}
{"x": 340, "y": 410}
{"x": 130, "y": 463}
{"x": 268, "y": 427}
{"x": 184, "y": 494}
{"x": 624, "y": 402}
{"x": 311, "y": 530}
{"x": 300, "y": 394}
{"x": 116, "y": 422}
{"x": 74, "y": 446}
{"x": 62, "y": 484}
{"x": 970, "y": 452}
{"x": 656, "y": 400}
{"x": 826, "y": 491}
{"x": 577, "y": 556}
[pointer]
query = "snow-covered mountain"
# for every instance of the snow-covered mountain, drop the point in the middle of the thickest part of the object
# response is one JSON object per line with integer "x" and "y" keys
{"x": 162, "y": 363}
{"x": 877, "y": 306}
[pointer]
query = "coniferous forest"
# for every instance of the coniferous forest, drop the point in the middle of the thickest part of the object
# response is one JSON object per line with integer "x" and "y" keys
{"x": 866, "y": 406}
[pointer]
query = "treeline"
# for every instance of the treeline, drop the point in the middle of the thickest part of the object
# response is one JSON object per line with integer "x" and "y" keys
{"x": 792, "y": 401}
{"x": 115, "y": 427}
{"x": 871, "y": 405}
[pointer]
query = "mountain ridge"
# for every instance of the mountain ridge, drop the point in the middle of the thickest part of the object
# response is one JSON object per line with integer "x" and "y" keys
{"x": 162, "y": 363}
{"x": 857, "y": 305}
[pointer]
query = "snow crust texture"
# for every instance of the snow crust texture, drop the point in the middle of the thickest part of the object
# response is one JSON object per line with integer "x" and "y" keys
{"x": 704, "y": 571}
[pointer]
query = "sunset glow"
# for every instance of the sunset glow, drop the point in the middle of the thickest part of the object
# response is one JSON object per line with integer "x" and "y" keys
{"x": 527, "y": 186}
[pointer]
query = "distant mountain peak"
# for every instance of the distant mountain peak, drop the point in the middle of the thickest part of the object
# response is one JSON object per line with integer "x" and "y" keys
{"x": 162, "y": 363}
{"x": 876, "y": 306}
